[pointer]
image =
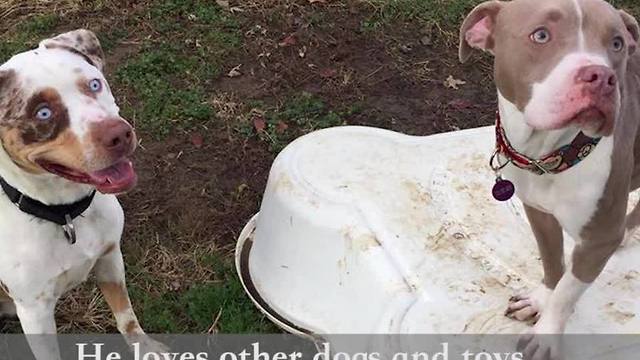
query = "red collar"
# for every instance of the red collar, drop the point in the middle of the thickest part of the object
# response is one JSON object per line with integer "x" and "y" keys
{"x": 555, "y": 162}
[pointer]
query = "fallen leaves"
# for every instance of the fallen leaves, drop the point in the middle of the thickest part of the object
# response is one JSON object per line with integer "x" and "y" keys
{"x": 453, "y": 83}
{"x": 260, "y": 125}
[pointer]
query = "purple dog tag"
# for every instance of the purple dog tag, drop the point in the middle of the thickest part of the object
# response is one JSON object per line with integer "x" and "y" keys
{"x": 503, "y": 190}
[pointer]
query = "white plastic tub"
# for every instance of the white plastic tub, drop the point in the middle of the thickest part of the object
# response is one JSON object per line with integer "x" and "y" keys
{"x": 363, "y": 230}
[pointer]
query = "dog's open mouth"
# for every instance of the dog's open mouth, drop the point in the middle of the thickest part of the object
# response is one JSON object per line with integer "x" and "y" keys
{"x": 117, "y": 178}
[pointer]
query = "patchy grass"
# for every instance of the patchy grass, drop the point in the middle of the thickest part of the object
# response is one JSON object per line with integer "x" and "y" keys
{"x": 446, "y": 15}
{"x": 223, "y": 306}
{"x": 164, "y": 81}
{"x": 219, "y": 305}
{"x": 170, "y": 74}
{"x": 27, "y": 35}
{"x": 298, "y": 115}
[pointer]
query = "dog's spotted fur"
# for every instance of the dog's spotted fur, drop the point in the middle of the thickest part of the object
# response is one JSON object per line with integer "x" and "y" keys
{"x": 37, "y": 264}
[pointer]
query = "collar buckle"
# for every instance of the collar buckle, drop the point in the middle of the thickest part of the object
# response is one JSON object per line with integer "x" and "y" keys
{"x": 69, "y": 229}
{"x": 538, "y": 164}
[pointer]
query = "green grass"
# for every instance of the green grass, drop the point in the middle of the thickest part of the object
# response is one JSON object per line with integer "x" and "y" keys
{"x": 171, "y": 97}
{"x": 299, "y": 115}
{"x": 109, "y": 40}
{"x": 169, "y": 76}
{"x": 27, "y": 35}
{"x": 222, "y": 301}
{"x": 445, "y": 13}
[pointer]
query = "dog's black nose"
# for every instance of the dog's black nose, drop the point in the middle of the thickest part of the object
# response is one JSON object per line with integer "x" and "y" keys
{"x": 598, "y": 79}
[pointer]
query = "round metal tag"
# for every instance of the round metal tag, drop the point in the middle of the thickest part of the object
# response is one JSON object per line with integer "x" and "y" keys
{"x": 503, "y": 190}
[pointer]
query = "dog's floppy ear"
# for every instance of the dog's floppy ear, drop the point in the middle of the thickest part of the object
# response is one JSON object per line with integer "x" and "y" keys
{"x": 7, "y": 81}
{"x": 477, "y": 29}
{"x": 633, "y": 30}
{"x": 82, "y": 42}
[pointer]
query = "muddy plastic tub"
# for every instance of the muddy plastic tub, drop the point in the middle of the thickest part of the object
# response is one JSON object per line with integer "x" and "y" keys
{"x": 363, "y": 230}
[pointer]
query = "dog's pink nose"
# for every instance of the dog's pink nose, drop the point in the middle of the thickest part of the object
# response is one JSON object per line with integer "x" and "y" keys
{"x": 116, "y": 135}
{"x": 598, "y": 79}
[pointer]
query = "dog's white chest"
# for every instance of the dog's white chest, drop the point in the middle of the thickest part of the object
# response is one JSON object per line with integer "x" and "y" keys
{"x": 35, "y": 257}
{"x": 571, "y": 196}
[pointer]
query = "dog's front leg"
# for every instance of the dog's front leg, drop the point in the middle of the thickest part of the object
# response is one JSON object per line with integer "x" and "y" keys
{"x": 589, "y": 258}
{"x": 110, "y": 274}
{"x": 548, "y": 234}
{"x": 39, "y": 325}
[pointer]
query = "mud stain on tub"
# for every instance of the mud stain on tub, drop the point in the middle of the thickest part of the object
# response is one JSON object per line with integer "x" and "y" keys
{"x": 359, "y": 242}
{"x": 618, "y": 315}
{"x": 626, "y": 283}
{"x": 492, "y": 321}
{"x": 476, "y": 163}
{"x": 283, "y": 183}
{"x": 418, "y": 195}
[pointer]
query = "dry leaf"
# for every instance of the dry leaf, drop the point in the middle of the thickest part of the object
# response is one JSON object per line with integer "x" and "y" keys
{"x": 197, "y": 140}
{"x": 281, "y": 127}
{"x": 235, "y": 72}
{"x": 328, "y": 73}
{"x": 288, "y": 41}
{"x": 317, "y": 1}
{"x": 259, "y": 124}
{"x": 223, "y": 3}
{"x": 453, "y": 83}
{"x": 460, "y": 104}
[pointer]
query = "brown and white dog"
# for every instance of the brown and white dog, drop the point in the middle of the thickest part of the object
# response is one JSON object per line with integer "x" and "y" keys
{"x": 62, "y": 138}
{"x": 563, "y": 67}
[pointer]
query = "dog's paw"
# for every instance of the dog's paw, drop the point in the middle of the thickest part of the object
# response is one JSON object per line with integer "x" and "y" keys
{"x": 528, "y": 307}
{"x": 144, "y": 344}
{"x": 631, "y": 237}
{"x": 541, "y": 343}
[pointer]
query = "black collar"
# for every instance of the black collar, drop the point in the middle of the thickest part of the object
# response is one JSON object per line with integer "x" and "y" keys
{"x": 62, "y": 215}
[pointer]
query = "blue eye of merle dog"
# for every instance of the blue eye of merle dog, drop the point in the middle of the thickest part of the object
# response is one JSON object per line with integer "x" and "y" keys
{"x": 44, "y": 113}
{"x": 95, "y": 85}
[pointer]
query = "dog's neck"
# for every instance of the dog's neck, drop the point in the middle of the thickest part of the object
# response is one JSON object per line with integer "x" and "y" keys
{"x": 46, "y": 188}
{"x": 527, "y": 140}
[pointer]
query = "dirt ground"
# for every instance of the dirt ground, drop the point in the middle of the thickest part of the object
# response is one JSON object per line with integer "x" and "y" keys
{"x": 248, "y": 77}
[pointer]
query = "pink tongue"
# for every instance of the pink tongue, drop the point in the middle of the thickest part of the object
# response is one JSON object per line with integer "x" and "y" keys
{"x": 116, "y": 178}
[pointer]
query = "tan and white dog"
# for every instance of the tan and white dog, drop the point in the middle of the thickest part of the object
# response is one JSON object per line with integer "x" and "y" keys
{"x": 62, "y": 138}
{"x": 563, "y": 67}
